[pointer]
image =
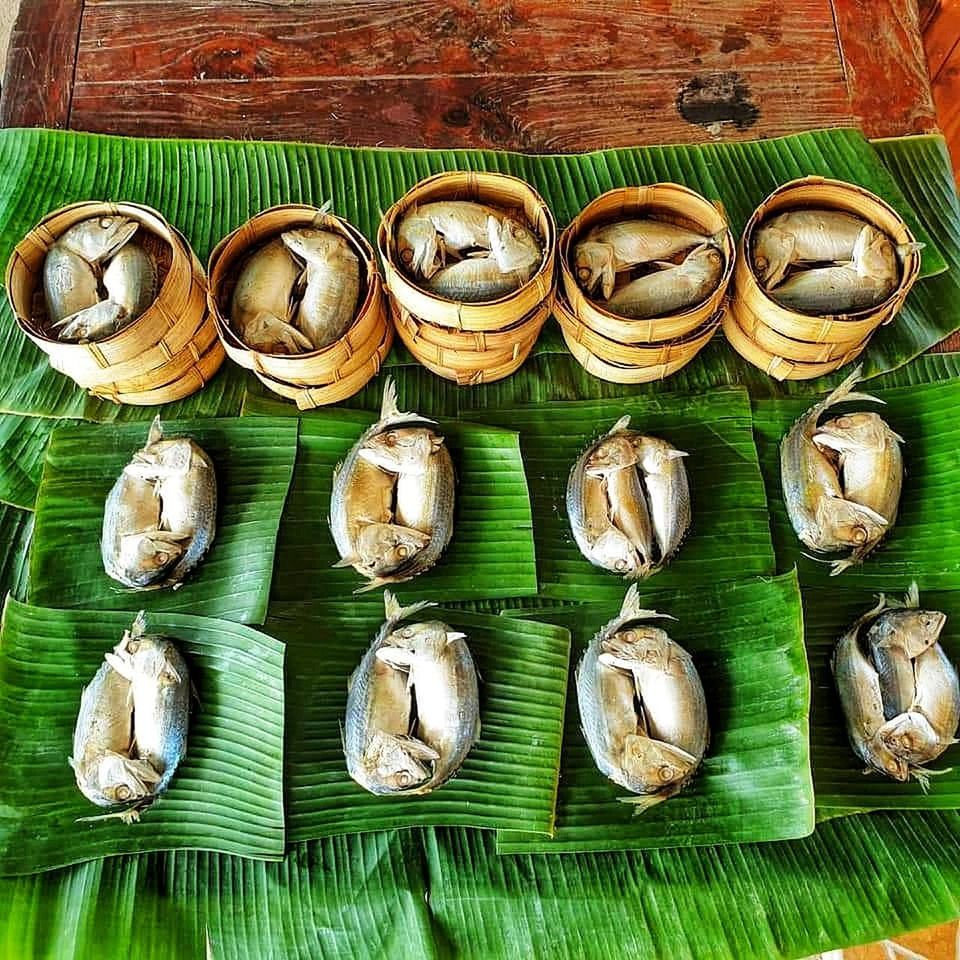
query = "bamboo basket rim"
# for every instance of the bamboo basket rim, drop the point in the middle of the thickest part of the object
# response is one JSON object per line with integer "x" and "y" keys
{"x": 778, "y": 344}
{"x": 195, "y": 378}
{"x": 784, "y": 198}
{"x": 780, "y": 368}
{"x": 638, "y": 198}
{"x": 309, "y": 397}
{"x": 618, "y": 373}
{"x": 147, "y": 217}
{"x": 635, "y": 355}
{"x": 277, "y": 365}
{"x": 479, "y": 315}
{"x": 477, "y": 378}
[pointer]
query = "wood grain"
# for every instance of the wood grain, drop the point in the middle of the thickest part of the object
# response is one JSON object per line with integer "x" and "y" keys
{"x": 885, "y": 66}
{"x": 532, "y": 113}
{"x": 231, "y": 40}
{"x": 38, "y": 81}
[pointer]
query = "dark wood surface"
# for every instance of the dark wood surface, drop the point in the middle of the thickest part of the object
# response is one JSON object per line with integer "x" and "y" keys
{"x": 532, "y": 75}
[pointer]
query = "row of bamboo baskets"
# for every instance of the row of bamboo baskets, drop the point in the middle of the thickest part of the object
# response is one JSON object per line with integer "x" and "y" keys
{"x": 180, "y": 341}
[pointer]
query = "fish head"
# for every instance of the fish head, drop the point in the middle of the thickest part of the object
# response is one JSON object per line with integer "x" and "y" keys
{"x": 851, "y": 524}
{"x": 910, "y": 737}
{"x": 594, "y": 264}
{"x": 612, "y": 550}
{"x": 271, "y": 334}
{"x": 874, "y": 254}
{"x": 772, "y": 254}
{"x": 162, "y": 459}
{"x": 145, "y": 557}
{"x": 402, "y": 449}
{"x": 513, "y": 245}
{"x": 382, "y": 547}
{"x": 880, "y": 756}
{"x": 94, "y": 323}
{"x": 97, "y": 239}
{"x": 703, "y": 261}
{"x": 612, "y": 453}
{"x": 656, "y": 764}
{"x": 637, "y": 644}
{"x": 417, "y": 641}
{"x": 922, "y": 627}
{"x": 313, "y": 246}
{"x": 147, "y": 657}
{"x": 862, "y": 432}
{"x": 655, "y": 455}
{"x": 398, "y": 763}
{"x": 419, "y": 245}
{"x": 113, "y": 778}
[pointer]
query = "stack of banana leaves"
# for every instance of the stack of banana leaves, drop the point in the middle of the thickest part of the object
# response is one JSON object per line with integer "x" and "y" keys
{"x": 775, "y": 845}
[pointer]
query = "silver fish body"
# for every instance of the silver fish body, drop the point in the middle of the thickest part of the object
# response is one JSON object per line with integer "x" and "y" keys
{"x": 822, "y": 517}
{"x": 98, "y": 322}
{"x": 431, "y": 230}
{"x": 69, "y": 284}
{"x": 672, "y": 289}
{"x": 444, "y": 679}
{"x": 365, "y": 497}
{"x": 665, "y": 479}
{"x": 475, "y": 280}
{"x": 329, "y": 301}
{"x": 98, "y": 239}
{"x": 160, "y": 685}
{"x": 799, "y": 236}
{"x": 130, "y": 279}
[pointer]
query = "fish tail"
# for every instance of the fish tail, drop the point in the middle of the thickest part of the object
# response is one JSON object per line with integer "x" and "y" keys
{"x": 839, "y": 566}
{"x": 156, "y": 431}
{"x": 911, "y": 599}
{"x": 631, "y": 609}
{"x": 719, "y": 238}
{"x": 642, "y": 804}
{"x": 622, "y": 424}
{"x": 922, "y": 776}
{"x": 394, "y": 612}
{"x": 388, "y": 408}
{"x": 845, "y": 391}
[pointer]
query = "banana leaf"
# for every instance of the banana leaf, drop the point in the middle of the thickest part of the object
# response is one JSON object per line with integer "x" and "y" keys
{"x": 227, "y": 794}
{"x": 918, "y": 547}
{"x": 16, "y": 530}
{"x": 838, "y": 774}
{"x": 746, "y": 640}
{"x": 254, "y": 464}
{"x": 490, "y": 555}
{"x": 23, "y": 441}
{"x": 509, "y": 779}
{"x": 729, "y": 537}
{"x": 207, "y": 188}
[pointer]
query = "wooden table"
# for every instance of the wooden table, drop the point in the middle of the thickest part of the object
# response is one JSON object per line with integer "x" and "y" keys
{"x": 529, "y": 75}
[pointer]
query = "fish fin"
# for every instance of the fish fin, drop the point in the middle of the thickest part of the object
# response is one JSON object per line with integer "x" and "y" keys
{"x": 343, "y": 736}
{"x": 631, "y": 607}
{"x": 911, "y": 599}
{"x": 454, "y": 635}
{"x": 155, "y": 434}
{"x": 72, "y": 764}
{"x": 390, "y": 411}
{"x": 417, "y": 748}
{"x": 667, "y": 264}
{"x": 674, "y": 454}
{"x": 923, "y": 775}
{"x": 641, "y": 804}
{"x": 375, "y": 584}
{"x": 904, "y": 249}
{"x": 622, "y": 424}
{"x": 128, "y": 816}
{"x": 346, "y": 562}
{"x": 718, "y": 239}
{"x": 139, "y": 626}
{"x": 612, "y": 660}
{"x": 395, "y": 657}
{"x": 120, "y": 664}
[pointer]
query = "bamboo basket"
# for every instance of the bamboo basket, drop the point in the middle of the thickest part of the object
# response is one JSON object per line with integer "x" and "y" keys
{"x": 671, "y": 203}
{"x": 802, "y": 336}
{"x": 146, "y": 362}
{"x": 334, "y": 372}
{"x": 780, "y": 368}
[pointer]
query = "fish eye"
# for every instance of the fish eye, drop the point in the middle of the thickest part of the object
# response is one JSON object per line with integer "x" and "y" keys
{"x": 406, "y": 632}
{"x": 629, "y": 636}
{"x": 402, "y": 552}
{"x": 844, "y": 422}
{"x": 859, "y": 535}
{"x": 762, "y": 263}
{"x": 519, "y": 232}
{"x": 133, "y": 646}
{"x": 667, "y": 772}
{"x": 106, "y": 222}
{"x": 926, "y": 619}
{"x": 583, "y": 273}
{"x": 620, "y": 565}
{"x": 404, "y": 778}
{"x": 122, "y": 793}
{"x": 390, "y": 438}
{"x": 406, "y": 255}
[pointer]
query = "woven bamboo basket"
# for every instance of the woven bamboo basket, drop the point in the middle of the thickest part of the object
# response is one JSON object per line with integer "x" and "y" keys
{"x": 755, "y": 311}
{"x": 147, "y": 359}
{"x": 780, "y": 368}
{"x": 671, "y": 203}
{"x": 345, "y": 365}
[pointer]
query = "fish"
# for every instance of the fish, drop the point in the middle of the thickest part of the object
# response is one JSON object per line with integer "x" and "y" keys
{"x": 620, "y": 724}
{"x": 185, "y": 481}
{"x": 858, "y": 686}
{"x": 866, "y": 281}
{"x": 429, "y": 231}
{"x": 99, "y": 238}
{"x": 610, "y": 248}
{"x": 105, "y": 773}
{"x": 422, "y": 464}
{"x": 98, "y": 322}
{"x": 668, "y": 492}
{"x": 160, "y": 684}
{"x": 69, "y": 284}
{"x": 262, "y": 304}
{"x": 332, "y": 272}
{"x": 672, "y": 289}
{"x": 821, "y": 516}
{"x": 130, "y": 279}
{"x": 514, "y": 247}
{"x": 870, "y": 460}
{"x": 443, "y": 677}
{"x": 799, "y": 236}
{"x": 135, "y": 550}
{"x": 476, "y": 280}
{"x": 381, "y": 754}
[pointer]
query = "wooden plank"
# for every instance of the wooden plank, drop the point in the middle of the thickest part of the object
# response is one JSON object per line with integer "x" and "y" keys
{"x": 232, "y": 40}
{"x": 38, "y": 81}
{"x": 885, "y": 65}
{"x": 532, "y": 113}
{"x": 941, "y": 36}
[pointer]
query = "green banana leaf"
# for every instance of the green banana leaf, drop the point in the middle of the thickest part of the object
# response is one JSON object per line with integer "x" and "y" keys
{"x": 16, "y": 531}
{"x": 509, "y": 779}
{"x": 227, "y": 794}
{"x": 837, "y": 771}
{"x": 490, "y": 555}
{"x": 23, "y": 441}
{"x": 746, "y": 640}
{"x": 254, "y": 464}
{"x": 207, "y": 188}
{"x": 729, "y": 537}
{"x": 918, "y": 547}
